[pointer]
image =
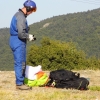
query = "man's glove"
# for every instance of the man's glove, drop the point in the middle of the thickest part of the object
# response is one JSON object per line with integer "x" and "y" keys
{"x": 31, "y": 37}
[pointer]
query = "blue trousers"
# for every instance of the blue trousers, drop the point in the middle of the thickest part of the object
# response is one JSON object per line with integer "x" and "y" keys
{"x": 18, "y": 48}
{"x": 19, "y": 63}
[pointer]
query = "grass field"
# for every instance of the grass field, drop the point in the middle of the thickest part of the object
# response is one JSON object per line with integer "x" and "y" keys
{"x": 8, "y": 91}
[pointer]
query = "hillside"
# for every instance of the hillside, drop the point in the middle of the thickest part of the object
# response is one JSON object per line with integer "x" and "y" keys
{"x": 82, "y": 28}
{"x": 5, "y": 52}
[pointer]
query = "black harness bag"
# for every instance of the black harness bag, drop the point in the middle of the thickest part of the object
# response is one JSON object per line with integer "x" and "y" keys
{"x": 67, "y": 79}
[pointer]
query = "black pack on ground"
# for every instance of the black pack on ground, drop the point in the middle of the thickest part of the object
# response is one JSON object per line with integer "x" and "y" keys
{"x": 62, "y": 74}
{"x": 67, "y": 79}
{"x": 79, "y": 84}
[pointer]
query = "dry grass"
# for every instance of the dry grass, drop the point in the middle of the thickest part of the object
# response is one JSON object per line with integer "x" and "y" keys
{"x": 8, "y": 91}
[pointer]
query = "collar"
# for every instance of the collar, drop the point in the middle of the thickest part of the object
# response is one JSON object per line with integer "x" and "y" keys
{"x": 23, "y": 13}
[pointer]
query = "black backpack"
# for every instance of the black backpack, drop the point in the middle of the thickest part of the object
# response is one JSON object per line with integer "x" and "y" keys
{"x": 67, "y": 79}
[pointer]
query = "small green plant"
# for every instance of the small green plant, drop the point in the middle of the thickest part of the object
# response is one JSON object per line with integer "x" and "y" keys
{"x": 95, "y": 88}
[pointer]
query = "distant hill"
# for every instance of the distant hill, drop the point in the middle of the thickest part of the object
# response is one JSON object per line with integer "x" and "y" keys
{"x": 82, "y": 28}
{"x": 5, "y": 52}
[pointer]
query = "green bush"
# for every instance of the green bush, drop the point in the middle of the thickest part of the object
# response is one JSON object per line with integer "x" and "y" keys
{"x": 53, "y": 54}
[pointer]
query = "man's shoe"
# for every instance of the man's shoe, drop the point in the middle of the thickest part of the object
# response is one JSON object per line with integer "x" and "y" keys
{"x": 23, "y": 87}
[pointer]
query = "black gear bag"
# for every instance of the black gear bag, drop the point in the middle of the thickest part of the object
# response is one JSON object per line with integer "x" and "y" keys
{"x": 67, "y": 79}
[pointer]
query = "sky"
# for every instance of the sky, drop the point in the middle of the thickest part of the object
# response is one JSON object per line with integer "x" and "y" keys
{"x": 45, "y": 9}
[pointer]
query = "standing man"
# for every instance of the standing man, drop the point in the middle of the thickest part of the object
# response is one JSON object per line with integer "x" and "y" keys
{"x": 18, "y": 38}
